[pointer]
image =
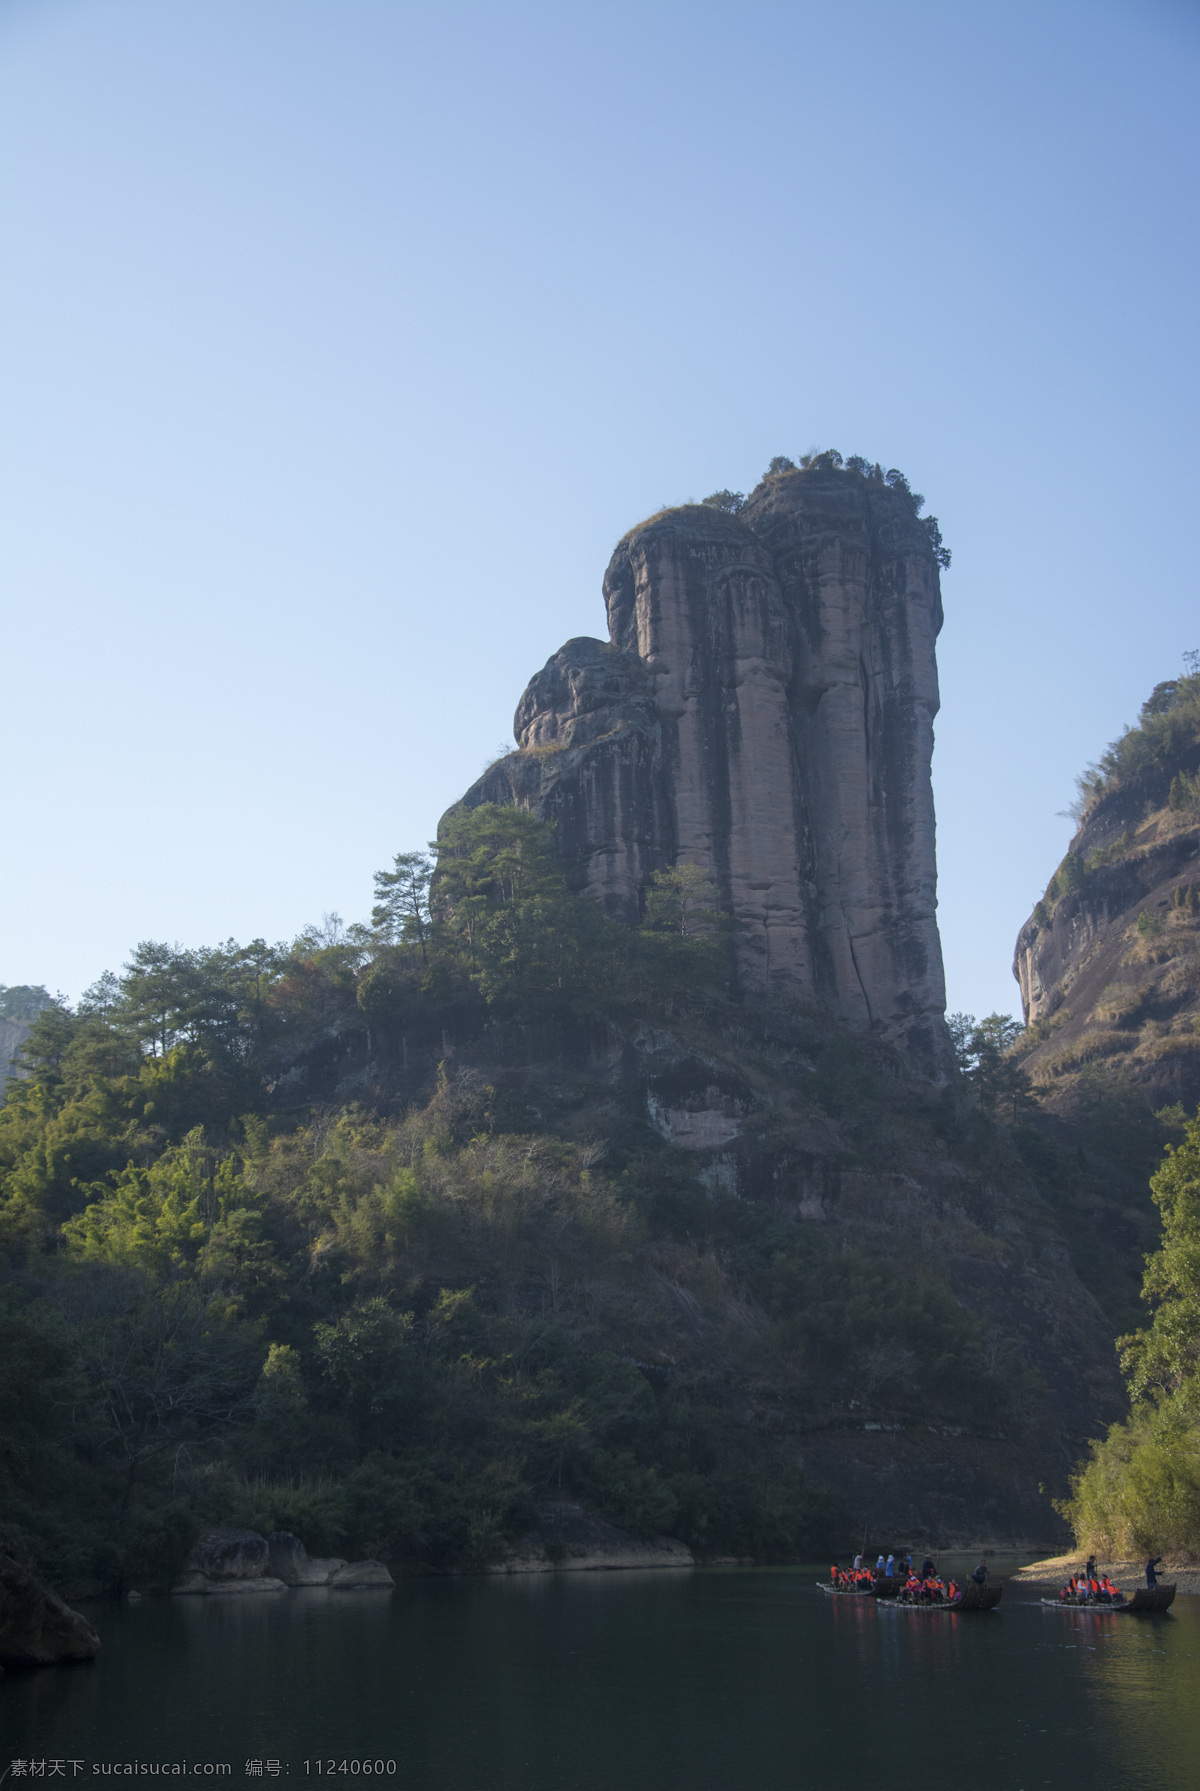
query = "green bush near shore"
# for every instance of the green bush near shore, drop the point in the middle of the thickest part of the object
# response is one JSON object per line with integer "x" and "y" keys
{"x": 1140, "y": 1490}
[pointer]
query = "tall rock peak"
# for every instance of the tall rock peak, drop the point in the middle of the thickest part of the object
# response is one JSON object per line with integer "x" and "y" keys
{"x": 764, "y": 709}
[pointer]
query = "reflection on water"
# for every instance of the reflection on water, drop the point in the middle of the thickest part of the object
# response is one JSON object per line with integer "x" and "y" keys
{"x": 722, "y": 1680}
{"x": 1145, "y": 1676}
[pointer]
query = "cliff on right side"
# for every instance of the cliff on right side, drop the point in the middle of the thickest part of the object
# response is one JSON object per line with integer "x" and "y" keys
{"x": 1109, "y": 960}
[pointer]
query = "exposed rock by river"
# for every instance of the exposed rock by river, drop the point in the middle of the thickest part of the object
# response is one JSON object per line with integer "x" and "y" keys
{"x": 241, "y": 1561}
{"x": 36, "y": 1628}
{"x": 569, "y": 1539}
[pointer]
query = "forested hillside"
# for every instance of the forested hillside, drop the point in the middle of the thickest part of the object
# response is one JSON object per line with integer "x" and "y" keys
{"x": 386, "y": 1235}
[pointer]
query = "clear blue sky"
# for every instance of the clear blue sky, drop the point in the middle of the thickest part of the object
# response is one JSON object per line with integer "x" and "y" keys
{"x": 341, "y": 339}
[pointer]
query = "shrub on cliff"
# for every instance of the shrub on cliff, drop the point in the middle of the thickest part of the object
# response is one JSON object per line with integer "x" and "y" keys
{"x": 532, "y": 948}
{"x": 1169, "y": 723}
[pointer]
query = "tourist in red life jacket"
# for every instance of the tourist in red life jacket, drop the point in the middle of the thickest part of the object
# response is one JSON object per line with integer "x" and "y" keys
{"x": 1114, "y": 1592}
{"x": 952, "y": 1592}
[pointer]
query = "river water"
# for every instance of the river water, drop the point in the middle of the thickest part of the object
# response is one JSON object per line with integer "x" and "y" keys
{"x": 722, "y": 1679}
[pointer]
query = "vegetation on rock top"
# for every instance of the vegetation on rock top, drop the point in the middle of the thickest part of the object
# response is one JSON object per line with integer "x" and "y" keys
{"x": 828, "y": 461}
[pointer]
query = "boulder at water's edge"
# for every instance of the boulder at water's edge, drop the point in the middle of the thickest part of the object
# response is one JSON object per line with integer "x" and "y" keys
{"x": 361, "y": 1576}
{"x": 36, "y": 1628}
{"x": 290, "y": 1561}
{"x": 229, "y": 1561}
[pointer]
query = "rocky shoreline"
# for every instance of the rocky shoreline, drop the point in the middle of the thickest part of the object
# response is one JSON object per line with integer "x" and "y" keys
{"x": 569, "y": 1539}
{"x": 37, "y": 1628}
{"x": 234, "y": 1561}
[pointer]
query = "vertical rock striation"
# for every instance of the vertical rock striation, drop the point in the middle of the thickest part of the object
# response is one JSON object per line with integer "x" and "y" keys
{"x": 693, "y": 596}
{"x": 764, "y": 709}
{"x": 858, "y": 575}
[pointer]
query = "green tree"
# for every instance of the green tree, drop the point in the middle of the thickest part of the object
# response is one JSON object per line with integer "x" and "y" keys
{"x": 168, "y": 1365}
{"x": 401, "y": 911}
{"x": 160, "y": 1216}
{"x": 683, "y": 900}
{"x": 986, "y": 1058}
{"x": 499, "y": 889}
{"x": 1166, "y": 1356}
{"x": 1140, "y": 1487}
{"x": 367, "y": 1358}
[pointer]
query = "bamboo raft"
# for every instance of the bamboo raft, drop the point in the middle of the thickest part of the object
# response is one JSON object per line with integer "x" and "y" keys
{"x": 883, "y": 1588}
{"x": 972, "y": 1598}
{"x": 1146, "y": 1598}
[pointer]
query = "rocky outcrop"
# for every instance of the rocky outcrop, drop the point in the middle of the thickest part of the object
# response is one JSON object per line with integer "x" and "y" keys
{"x": 289, "y": 1561}
{"x": 225, "y": 1561}
{"x": 1109, "y": 961}
{"x": 229, "y": 1561}
{"x": 13, "y": 1034}
{"x": 361, "y": 1576}
{"x": 36, "y": 1628}
{"x": 590, "y": 765}
{"x": 569, "y": 1539}
{"x": 763, "y": 709}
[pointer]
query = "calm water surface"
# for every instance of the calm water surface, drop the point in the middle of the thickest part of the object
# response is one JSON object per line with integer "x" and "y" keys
{"x": 719, "y": 1680}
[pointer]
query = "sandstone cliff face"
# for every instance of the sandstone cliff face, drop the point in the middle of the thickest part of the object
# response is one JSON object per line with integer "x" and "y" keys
{"x": 13, "y": 1034}
{"x": 763, "y": 709}
{"x": 861, "y": 584}
{"x": 1109, "y": 962}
